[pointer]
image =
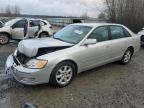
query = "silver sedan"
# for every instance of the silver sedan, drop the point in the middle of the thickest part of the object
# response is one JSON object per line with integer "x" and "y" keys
{"x": 74, "y": 49}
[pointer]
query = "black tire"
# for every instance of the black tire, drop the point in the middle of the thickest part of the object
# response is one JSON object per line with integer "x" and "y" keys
{"x": 43, "y": 34}
{"x": 127, "y": 56}
{"x": 142, "y": 41}
{"x": 53, "y": 80}
{"x": 4, "y": 38}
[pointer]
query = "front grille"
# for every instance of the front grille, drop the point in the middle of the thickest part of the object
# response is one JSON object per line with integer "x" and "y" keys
{"x": 20, "y": 58}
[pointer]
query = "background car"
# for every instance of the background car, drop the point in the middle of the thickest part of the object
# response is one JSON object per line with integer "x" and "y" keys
{"x": 24, "y": 28}
{"x": 74, "y": 49}
{"x": 141, "y": 33}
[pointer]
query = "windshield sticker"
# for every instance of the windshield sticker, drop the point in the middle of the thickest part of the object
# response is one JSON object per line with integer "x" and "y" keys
{"x": 78, "y": 32}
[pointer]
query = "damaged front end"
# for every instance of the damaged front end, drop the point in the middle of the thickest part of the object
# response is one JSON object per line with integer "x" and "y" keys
{"x": 21, "y": 59}
{"x": 38, "y": 47}
{"x": 25, "y": 65}
{"x": 31, "y": 49}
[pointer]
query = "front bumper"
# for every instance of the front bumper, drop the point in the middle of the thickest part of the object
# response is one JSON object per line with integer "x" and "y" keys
{"x": 25, "y": 75}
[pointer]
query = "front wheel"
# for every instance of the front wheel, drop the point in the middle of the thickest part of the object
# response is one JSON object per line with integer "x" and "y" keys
{"x": 63, "y": 74}
{"x": 4, "y": 38}
{"x": 127, "y": 56}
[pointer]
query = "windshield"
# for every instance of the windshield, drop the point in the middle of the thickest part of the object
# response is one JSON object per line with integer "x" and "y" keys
{"x": 10, "y": 23}
{"x": 72, "y": 34}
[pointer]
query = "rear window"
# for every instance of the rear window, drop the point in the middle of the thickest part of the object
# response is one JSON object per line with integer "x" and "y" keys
{"x": 117, "y": 32}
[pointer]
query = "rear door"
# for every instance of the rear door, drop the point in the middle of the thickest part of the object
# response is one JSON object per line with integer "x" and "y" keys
{"x": 33, "y": 27}
{"x": 119, "y": 40}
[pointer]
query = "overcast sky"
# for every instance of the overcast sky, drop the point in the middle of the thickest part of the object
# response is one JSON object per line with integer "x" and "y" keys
{"x": 57, "y": 7}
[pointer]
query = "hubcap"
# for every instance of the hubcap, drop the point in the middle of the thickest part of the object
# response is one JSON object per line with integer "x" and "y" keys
{"x": 3, "y": 39}
{"x": 64, "y": 75}
{"x": 127, "y": 56}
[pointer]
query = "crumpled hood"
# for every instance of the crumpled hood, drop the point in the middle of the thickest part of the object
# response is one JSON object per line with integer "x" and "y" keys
{"x": 30, "y": 47}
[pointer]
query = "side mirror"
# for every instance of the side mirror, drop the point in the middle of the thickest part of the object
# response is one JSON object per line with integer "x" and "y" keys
{"x": 143, "y": 28}
{"x": 89, "y": 42}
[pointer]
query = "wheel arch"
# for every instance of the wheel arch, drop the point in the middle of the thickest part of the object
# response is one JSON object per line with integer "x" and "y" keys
{"x": 72, "y": 61}
{"x": 44, "y": 32}
{"x": 7, "y": 34}
{"x": 132, "y": 49}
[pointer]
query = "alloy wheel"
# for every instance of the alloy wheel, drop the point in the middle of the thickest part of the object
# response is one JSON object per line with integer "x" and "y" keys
{"x": 3, "y": 39}
{"x": 127, "y": 56}
{"x": 64, "y": 75}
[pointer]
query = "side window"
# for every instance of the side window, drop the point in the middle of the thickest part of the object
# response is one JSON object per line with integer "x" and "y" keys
{"x": 43, "y": 23}
{"x": 127, "y": 34}
{"x": 19, "y": 24}
{"x": 33, "y": 23}
{"x": 101, "y": 34}
{"x": 117, "y": 32}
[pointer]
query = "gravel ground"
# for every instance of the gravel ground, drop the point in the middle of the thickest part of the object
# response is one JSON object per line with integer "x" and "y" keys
{"x": 109, "y": 86}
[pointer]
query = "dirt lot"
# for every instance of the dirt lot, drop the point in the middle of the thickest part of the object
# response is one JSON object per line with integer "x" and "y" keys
{"x": 110, "y": 86}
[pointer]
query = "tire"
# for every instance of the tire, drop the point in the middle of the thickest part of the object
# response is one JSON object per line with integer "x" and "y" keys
{"x": 62, "y": 75}
{"x": 43, "y": 34}
{"x": 4, "y": 38}
{"x": 127, "y": 56}
{"x": 142, "y": 41}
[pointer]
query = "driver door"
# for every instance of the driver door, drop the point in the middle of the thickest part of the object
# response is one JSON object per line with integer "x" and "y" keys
{"x": 17, "y": 30}
{"x": 96, "y": 54}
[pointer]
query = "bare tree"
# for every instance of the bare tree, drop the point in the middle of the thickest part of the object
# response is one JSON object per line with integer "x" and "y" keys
{"x": 102, "y": 16}
{"x": 84, "y": 15}
{"x": 16, "y": 10}
{"x": 10, "y": 11}
{"x": 127, "y": 12}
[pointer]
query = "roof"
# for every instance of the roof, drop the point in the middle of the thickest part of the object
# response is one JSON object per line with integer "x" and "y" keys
{"x": 26, "y": 19}
{"x": 95, "y": 24}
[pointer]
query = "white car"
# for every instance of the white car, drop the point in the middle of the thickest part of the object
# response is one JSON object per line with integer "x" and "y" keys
{"x": 24, "y": 28}
{"x": 74, "y": 49}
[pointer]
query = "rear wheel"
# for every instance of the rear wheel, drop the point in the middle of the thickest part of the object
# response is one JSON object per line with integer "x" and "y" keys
{"x": 4, "y": 38}
{"x": 43, "y": 34}
{"x": 63, "y": 74}
{"x": 127, "y": 56}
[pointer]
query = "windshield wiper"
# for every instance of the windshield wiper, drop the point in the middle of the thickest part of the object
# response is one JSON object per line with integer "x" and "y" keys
{"x": 58, "y": 39}
{"x": 63, "y": 40}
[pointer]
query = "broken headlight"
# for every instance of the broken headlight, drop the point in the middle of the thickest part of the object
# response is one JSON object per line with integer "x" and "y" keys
{"x": 36, "y": 64}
